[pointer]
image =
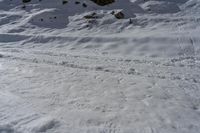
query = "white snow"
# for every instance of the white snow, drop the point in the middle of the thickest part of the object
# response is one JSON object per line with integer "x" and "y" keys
{"x": 63, "y": 73}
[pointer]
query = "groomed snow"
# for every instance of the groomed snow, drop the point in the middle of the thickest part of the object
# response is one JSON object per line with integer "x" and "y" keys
{"x": 61, "y": 72}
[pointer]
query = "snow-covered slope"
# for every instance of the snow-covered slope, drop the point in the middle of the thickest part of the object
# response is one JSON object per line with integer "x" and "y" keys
{"x": 77, "y": 67}
{"x": 149, "y": 27}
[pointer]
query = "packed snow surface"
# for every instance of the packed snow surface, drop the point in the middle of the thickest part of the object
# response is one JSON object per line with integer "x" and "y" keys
{"x": 75, "y": 67}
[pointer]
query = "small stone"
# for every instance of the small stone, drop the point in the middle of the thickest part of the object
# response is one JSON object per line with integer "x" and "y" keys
{"x": 119, "y": 15}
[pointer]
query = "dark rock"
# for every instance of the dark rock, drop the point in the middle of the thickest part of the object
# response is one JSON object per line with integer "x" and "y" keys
{"x": 119, "y": 15}
{"x": 26, "y": 1}
{"x": 103, "y": 2}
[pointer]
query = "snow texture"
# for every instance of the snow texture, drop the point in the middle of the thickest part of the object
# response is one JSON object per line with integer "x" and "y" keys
{"x": 75, "y": 68}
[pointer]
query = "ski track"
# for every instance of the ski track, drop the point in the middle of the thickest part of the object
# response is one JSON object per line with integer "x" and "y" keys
{"x": 66, "y": 85}
{"x": 61, "y": 74}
